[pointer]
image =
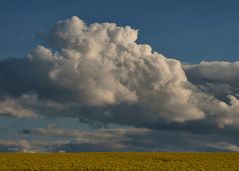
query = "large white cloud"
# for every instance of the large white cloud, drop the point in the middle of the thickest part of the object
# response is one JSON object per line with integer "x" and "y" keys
{"x": 99, "y": 72}
{"x": 104, "y": 66}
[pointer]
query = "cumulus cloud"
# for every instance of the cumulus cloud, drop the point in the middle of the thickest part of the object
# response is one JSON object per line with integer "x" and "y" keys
{"x": 99, "y": 73}
{"x": 104, "y": 66}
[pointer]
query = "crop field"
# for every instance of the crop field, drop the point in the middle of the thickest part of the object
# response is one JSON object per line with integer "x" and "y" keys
{"x": 119, "y": 161}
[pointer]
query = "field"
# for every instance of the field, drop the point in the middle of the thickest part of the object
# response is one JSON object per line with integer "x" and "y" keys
{"x": 119, "y": 161}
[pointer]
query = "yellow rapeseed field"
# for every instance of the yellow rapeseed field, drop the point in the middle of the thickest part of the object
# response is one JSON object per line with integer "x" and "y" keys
{"x": 119, "y": 161}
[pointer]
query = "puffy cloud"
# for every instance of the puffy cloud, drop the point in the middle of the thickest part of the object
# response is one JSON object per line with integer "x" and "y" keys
{"x": 104, "y": 66}
{"x": 41, "y": 53}
{"x": 98, "y": 73}
{"x": 101, "y": 66}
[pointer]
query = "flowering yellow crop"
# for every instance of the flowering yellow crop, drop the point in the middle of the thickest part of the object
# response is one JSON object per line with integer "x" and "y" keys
{"x": 119, "y": 161}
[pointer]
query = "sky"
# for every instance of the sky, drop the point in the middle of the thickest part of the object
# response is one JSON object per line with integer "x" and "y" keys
{"x": 119, "y": 75}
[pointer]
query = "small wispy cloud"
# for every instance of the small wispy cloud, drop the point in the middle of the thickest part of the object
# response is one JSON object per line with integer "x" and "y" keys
{"x": 10, "y": 107}
{"x": 225, "y": 146}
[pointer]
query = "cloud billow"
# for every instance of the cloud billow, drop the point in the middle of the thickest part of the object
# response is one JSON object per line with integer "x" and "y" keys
{"x": 99, "y": 73}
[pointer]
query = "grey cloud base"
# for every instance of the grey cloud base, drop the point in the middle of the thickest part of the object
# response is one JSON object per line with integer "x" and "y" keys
{"x": 99, "y": 74}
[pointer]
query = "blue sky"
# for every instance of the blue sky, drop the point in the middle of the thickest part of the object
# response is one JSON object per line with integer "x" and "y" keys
{"x": 191, "y": 31}
{"x": 119, "y": 75}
